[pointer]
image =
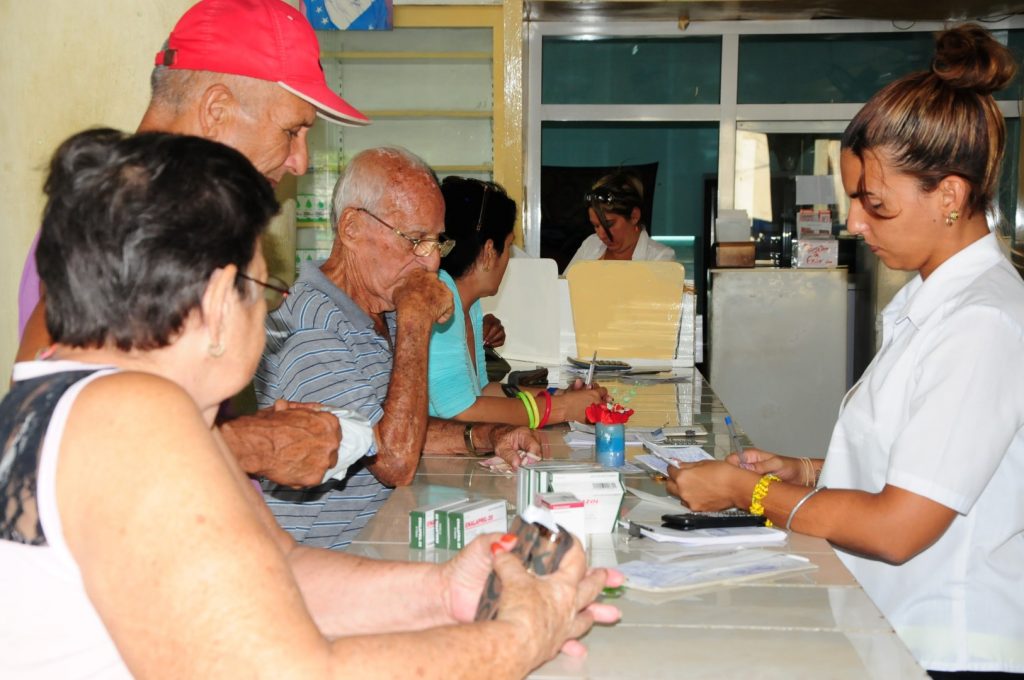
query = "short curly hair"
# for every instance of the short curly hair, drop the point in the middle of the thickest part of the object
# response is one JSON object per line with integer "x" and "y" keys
{"x": 134, "y": 226}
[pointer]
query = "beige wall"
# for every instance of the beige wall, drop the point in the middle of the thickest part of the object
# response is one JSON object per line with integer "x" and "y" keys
{"x": 65, "y": 65}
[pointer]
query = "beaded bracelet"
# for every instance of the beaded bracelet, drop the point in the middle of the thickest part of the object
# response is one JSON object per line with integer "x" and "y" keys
{"x": 760, "y": 491}
{"x": 792, "y": 513}
{"x": 547, "y": 408}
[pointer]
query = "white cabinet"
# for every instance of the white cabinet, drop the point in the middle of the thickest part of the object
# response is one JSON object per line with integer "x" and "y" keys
{"x": 778, "y": 353}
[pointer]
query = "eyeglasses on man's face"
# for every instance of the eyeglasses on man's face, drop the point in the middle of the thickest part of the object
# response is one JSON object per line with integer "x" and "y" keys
{"x": 274, "y": 290}
{"x": 421, "y": 247}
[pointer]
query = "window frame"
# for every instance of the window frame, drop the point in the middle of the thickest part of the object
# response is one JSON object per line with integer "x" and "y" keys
{"x": 728, "y": 113}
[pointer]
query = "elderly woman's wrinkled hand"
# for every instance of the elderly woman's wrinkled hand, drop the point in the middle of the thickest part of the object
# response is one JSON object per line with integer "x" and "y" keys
{"x": 552, "y": 612}
{"x": 421, "y": 292}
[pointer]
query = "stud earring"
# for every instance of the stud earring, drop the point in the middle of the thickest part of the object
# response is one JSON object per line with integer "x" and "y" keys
{"x": 215, "y": 351}
{"x": 952, "y": 217}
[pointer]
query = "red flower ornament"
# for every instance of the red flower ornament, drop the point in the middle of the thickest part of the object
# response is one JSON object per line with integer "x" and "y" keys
{"x": 609, "y": 415}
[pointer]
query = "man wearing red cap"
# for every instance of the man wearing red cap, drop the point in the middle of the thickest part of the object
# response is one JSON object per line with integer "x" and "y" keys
{"x": 245, "y": 73}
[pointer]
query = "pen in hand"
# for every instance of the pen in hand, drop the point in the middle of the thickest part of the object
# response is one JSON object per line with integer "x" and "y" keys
{"x": 736, "y": 441}
{"x": 590, "y": 371}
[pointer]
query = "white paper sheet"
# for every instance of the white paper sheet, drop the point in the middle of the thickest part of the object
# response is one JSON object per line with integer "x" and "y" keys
{"x": 733, "y": 567}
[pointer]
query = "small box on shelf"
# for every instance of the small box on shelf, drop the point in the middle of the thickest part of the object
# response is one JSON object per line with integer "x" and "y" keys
{"x": 734, "y": 254}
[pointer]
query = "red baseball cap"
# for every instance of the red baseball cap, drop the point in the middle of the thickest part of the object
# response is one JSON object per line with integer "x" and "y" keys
{"x": 265, "y": 39}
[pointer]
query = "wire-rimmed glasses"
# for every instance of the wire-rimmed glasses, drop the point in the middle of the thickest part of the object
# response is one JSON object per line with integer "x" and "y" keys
{"x": 274, "y": 290}
{"x": 421, "y": 247}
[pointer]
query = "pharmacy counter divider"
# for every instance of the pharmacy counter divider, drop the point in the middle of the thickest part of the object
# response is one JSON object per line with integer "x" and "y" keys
{"x": 813, "y": 624}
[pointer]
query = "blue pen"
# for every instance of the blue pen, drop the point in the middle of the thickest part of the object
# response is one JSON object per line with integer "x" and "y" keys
{"x": 735, "y": 440}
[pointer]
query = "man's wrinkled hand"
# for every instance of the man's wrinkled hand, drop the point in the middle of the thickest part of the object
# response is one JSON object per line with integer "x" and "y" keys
{"x": 512, "y": 444}
{"x": 289, "y": 444}
{"x": 421, "y": 292}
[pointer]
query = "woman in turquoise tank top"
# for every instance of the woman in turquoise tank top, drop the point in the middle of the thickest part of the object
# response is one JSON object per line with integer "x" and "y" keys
{"x": 479, "y": 216}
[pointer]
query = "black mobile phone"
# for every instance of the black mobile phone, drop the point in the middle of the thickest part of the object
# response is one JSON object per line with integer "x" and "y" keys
{"x": 707, "y": 520}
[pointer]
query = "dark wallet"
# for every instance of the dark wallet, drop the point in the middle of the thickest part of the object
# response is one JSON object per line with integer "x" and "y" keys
{"x": 541, "y": 552}
{"x": 535, "y": 377}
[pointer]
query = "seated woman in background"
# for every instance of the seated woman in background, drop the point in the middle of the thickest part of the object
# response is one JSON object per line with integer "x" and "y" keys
{"x": 131, "y": 542}
{"x": 615, "y": 209}
{"x": 480, "y": 216}
{"x": 922, "y": 489}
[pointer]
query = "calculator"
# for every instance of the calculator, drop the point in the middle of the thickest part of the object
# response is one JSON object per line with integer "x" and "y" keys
{"x": 600, "y": 364}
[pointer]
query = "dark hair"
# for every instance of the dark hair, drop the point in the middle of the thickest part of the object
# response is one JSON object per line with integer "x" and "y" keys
{"x": 618, "y": 193}
{"x": 474, "y": 212}
{"x": 942, "y": 122}
{"x": 134, "y": 226}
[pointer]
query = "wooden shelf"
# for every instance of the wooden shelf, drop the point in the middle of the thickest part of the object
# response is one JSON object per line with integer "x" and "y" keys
{"x": 412, "y": 56}
{"x": 427, "y": 113}
{"x": 485, "y": 168}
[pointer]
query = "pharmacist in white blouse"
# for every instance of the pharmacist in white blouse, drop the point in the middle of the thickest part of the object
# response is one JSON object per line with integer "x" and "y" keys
{"x": 615, "y": 209}
{"x": 922, "y": 489}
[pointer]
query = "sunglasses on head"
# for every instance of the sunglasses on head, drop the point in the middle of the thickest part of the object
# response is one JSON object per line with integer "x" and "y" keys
{"x": 486, "y": 187}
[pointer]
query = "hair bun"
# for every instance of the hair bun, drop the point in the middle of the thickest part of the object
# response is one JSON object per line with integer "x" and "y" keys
{"x": 968, "y": 57}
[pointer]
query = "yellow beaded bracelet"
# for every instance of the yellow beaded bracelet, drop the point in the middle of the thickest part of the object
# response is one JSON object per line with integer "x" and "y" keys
{"x": 760, "y": 491}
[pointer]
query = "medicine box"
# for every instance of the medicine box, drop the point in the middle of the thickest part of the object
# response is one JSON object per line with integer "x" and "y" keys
{"x": 567, "y": 511}
{"x": 816, "y": 253}
{"x": 423, "y": 522}
{"x": 601, "y": 493}
{"x": 600, "y": 489}
{"x": 466, "y": 522}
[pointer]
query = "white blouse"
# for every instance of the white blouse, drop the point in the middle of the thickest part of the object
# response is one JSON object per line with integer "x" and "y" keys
{"x": 940, "y": 413}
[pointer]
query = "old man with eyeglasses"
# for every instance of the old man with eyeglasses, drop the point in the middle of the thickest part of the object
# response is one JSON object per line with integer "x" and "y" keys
{"x": 354, "y": 333}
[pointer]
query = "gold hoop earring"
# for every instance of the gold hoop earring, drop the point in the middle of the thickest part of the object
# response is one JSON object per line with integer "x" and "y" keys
{"x": 215, "y": 351}
{"x": 952, "y": 217}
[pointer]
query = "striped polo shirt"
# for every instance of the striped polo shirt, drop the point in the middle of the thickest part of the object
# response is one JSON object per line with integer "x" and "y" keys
{"x": 321, "y": 347}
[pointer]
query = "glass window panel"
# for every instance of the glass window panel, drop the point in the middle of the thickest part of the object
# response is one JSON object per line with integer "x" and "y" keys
{"x": 687, "y": 158}
{"x": 1015, "y": 41}
{"x": 440, "y": 141}
{"x": 631, "y": 70}
{"x": 427, "y": 89}
{"x": 407, "y": 40}
{"x": 1008, "y": 182}
{"x": 842, "y": 68}
{"x": 767, "y": 166}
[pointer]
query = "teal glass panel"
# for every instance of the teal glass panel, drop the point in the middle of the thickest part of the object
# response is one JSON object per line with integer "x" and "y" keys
{"x": 1015, "y": 41}
{"x": 824, "y": 69}
{"x": 687, "y": 158}
{"x": 631, "y": 70}
{"x": 840, "y": 68}
{"x": 1008, "y": 178}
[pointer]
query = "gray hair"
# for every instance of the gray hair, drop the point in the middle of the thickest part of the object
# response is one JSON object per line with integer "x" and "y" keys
{"x": 176, "y": 89}
{"x": 362, "y": 185}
